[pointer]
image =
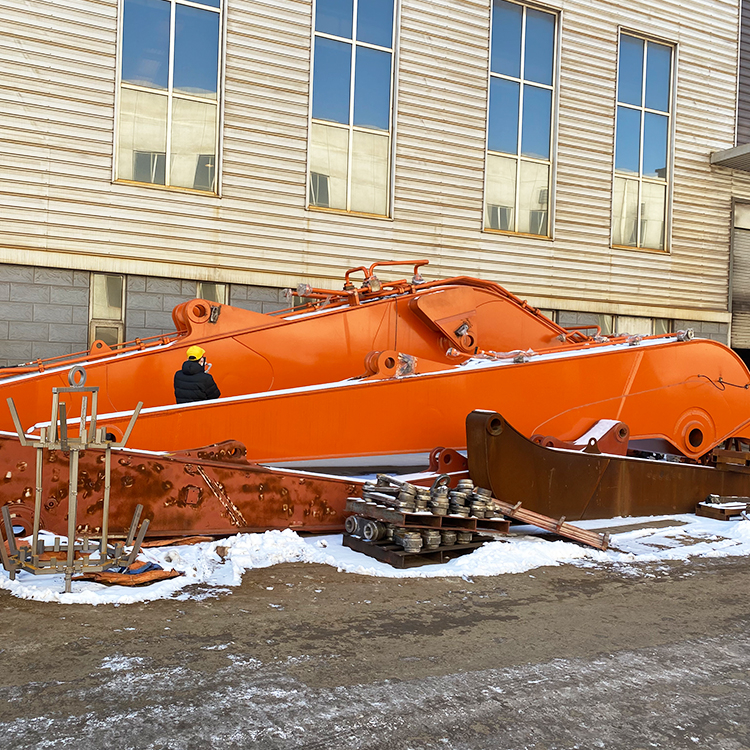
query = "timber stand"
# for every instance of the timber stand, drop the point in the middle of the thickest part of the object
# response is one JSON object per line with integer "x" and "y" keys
{"x": 70, "y": 556}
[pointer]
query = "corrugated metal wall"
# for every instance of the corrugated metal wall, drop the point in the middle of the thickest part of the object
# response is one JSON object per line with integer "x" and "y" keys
{"x": 741, "y": 289}
{"x": 743, "y": 96}
{"x": 57, "y": 93}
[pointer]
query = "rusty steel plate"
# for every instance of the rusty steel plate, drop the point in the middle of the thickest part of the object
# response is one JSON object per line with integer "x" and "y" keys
{"x": 581, "y": 485}
{"x": 212, "y": 490}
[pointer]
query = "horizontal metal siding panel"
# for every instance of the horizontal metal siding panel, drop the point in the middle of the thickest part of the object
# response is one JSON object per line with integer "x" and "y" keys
{"x": 587, "y": 101}
{"x": 741, "y": 289}
{"x": 265, "y": 120}
{"x": 743, "y": 84}
{"x": 260, "y": 225}
{"x": 441, "y": 126}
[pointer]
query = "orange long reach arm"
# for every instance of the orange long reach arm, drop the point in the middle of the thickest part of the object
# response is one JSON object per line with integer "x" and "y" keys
{"x": 394, "y": 368}
{"x": 675, "y": 396}
{"x": 325, "y": 340}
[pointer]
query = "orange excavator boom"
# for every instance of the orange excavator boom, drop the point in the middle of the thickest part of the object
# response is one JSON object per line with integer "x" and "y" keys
{"x": 393, "y": 368}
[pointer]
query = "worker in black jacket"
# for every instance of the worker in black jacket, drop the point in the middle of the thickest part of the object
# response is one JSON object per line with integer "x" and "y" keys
{"x": 192, "y": 382}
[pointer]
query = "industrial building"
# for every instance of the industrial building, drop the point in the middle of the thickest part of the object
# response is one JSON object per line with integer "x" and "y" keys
{"x": 588, "y": 156}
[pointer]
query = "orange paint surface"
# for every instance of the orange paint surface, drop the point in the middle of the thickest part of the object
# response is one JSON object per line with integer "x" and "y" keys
{"x": 416, "y": 358}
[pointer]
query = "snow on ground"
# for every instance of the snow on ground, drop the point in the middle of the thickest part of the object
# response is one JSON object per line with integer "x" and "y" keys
{"x": 220, "y": 564}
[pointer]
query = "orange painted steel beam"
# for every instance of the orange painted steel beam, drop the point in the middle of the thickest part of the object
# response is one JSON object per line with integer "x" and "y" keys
{"x": 394, "y": 367}
{"x": 662, "y": 389}
{"x": 252, "y": 352}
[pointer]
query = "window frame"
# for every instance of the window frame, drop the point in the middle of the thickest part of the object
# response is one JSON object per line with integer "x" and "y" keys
{"x": 108, "y": 322}
{"x": 671, "y": 131}
{"x": 169, "y": 94}
{"x": 351, "y": 128}
{"x": 218, "y": 285}
{"x": 558, "y": 13}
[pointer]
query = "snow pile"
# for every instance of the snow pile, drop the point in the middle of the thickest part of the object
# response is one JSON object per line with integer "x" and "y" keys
{"x": 221, "y": 564}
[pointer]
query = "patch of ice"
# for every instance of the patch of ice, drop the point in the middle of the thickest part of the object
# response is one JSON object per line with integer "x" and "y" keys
{"x": 118, "y": 663}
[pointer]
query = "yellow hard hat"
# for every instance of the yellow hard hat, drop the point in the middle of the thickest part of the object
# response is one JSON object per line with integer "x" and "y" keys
{"x": 195, "y": 352}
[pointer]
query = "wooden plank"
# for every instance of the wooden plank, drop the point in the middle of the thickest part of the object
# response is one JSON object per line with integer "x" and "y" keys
{"x": 494, "y": 525}
{"x": 395, "y": 556}
{"x": 391, "y": 515}
{"x": 424, "y": 520}
{"x": 725, "y": 511}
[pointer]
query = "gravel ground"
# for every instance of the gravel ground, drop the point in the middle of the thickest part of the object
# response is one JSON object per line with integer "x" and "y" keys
{"x": 301, "y": 656}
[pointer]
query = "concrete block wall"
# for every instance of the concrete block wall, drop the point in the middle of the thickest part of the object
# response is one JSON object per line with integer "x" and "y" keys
{"x": 716, "y": 331}
{"x": 262, "y": 299}
{"x": 43, "y": 313}
{"x": 149, "y": 302}
{"x": 567, "y": 319}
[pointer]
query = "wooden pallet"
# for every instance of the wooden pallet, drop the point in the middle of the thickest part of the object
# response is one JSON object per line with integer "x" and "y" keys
{"x": 425, "y": 520}
{"x": 388, "y": 552}
{"x": 731, "y": 458}
{"x": 725, "y": 511}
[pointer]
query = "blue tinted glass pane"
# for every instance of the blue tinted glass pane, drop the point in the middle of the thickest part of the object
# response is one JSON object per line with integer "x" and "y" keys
{"x": 375, "y": 22}
{"x": 145, "y": 43}
{"x": 540, "y": 45}
{"x": 372, "y": 89}
{"x": 196, "y": 51}
{"x": 537, "y": 111}
{"x": 334, "y": 17}
{"x": 630, "y": 70}
{"x": 506, "y": 38}
{"x": 331, "y": 80}
{"x": 655, "y": 146}
{"x": 658, "y": 76}
{"x": 212, "y": 3}
{"x": 628, "y": 142}
{"x": 503, "y": 128}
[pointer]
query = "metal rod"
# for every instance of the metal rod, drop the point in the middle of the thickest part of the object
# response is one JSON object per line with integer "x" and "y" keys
{"x": 37, "y": 499}
{"x": 82, "y": 429}
{"x": 7, "y": 564}
{"x": 105, "y": 508}
{"x": 94, "y": 412}
{"x": 131, "y": 424}
{"x": 72, "y": 508}
{"x": 16, "y": 421}
{"x": 137, "y": 546}
{"x": 9, "y": 532}
{"x": 63, "y": 414}
{"x": 55, "y": 416}
{"x": 134, "y": 524}
{"x": 118, "y": 551}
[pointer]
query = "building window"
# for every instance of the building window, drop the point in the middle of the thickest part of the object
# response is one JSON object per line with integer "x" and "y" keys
{"x": 212, "y": 292}
{"x": 519, "y": 123}
{"x": 642, "y": 143}
{"x": 106, "y": 309}
{"x": 169, "y": 93}
{"x": 352, "y": 99}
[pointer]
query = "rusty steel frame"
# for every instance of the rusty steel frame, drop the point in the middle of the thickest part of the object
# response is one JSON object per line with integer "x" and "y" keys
{"x": 212, "y": 490}
{"x": 39, "y": 558}
{"x": 585, "y": 485}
